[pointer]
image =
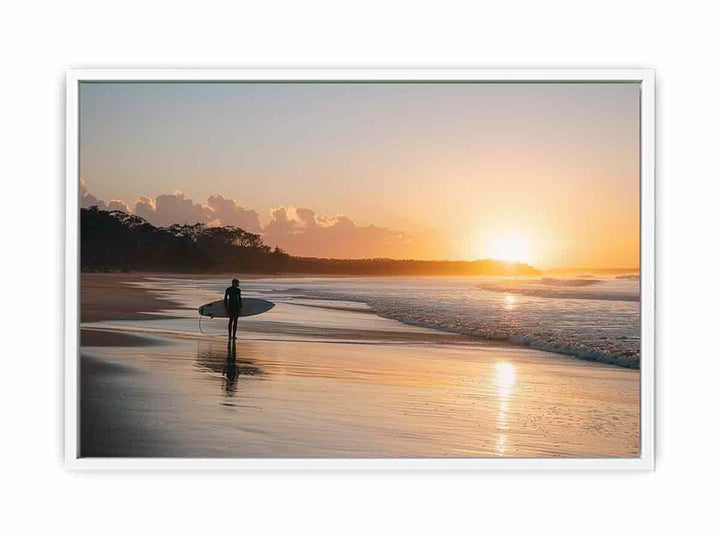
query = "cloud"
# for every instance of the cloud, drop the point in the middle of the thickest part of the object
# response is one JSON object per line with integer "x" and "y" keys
{"x": 117, "y": 204}
{"x": 87, "y": 199}
{"x": 228, "y": 212}
{"x": 300, "y": 231}
{"x": 145, "y": 207}
{"x": 168, "y": 209}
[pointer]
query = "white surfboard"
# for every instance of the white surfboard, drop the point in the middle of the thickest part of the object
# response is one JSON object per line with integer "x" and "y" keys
{"x": 250, "y": 307}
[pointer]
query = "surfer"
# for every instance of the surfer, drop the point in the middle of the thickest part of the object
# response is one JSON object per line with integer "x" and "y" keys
{"x": 233, "y": 304}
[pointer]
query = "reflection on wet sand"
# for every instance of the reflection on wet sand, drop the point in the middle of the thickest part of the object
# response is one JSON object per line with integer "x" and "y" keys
{"x": 203, "y": 398}
{"x": 505, "y": 377}
{"x": 213, "y": 357}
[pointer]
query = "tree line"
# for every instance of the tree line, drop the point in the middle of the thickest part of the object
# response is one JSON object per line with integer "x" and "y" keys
{"x": 116, "y": 241}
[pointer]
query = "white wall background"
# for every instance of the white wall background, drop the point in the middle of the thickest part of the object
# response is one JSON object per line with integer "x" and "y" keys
{"x": 39, "y": 41}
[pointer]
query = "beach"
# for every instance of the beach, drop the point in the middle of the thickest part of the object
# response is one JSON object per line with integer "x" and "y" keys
{"x": 327, "y": 377}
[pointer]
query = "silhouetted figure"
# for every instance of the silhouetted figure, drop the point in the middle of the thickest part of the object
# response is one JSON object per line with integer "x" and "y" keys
{"x": 233, "y": 303}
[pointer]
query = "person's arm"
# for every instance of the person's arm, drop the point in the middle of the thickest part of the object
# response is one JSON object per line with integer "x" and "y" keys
{"x": 225, "y": 300}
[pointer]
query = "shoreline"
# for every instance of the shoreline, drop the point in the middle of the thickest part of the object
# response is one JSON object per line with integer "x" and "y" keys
{"x": 141, "y": 301}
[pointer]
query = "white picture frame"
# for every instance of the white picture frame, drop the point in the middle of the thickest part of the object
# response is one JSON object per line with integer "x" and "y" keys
{"x": 645, "y": 77}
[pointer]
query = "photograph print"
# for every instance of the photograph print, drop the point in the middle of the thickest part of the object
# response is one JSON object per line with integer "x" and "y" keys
{"x": 359, "y": 269}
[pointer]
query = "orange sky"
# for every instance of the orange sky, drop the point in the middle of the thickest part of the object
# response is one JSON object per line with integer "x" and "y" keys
{"x": 546, "y": 173}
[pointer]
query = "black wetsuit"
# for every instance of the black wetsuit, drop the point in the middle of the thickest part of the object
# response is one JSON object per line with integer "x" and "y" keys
{"x": 233, "y": 301}
{"x": 233, "y": 298}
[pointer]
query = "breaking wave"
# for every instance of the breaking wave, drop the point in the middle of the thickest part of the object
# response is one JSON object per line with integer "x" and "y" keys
{"x": 623, "y": 351}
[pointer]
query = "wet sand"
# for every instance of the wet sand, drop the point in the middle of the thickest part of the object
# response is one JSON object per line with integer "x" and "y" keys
{"x": 111, "y": 296}
{"x": 303, "y": 382}
{"x": 104, "y": 338}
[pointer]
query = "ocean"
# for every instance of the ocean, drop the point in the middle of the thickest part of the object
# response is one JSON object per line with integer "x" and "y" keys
{"x": 589, "y": 317}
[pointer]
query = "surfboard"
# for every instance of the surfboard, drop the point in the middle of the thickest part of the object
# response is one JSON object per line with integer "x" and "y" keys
{"x": 250, "y": 307}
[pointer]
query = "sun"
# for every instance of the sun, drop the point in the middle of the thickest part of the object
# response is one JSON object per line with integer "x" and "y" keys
{"x": 509, "y": 247}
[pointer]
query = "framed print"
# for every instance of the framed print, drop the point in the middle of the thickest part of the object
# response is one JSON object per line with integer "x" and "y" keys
{"x": 360, "y": 268}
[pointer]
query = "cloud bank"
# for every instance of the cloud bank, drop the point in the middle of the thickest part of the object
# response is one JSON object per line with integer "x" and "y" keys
{"x": 167, "y": 209}
{"x": 299, "y": 231}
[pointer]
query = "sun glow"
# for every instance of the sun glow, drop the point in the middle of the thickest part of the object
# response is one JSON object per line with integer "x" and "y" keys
{"x": 509, "y": 247}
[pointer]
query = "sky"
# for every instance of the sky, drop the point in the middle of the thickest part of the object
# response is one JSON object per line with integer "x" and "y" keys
{"x": 547, "y": 174}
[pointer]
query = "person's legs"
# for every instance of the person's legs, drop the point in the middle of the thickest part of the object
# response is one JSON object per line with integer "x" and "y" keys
{"x": 234, "y": 330}
{"x": 230, "y": 325}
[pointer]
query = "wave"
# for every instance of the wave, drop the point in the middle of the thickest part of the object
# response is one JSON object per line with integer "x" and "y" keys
{"x": 584, "y": 353}
{"x": 612, "y": 296}
{"x": 351, "y": 309}
{"x": 627, "y": 359}
{"x": 605, "y": 332}
{"x": 583, "y": 282}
